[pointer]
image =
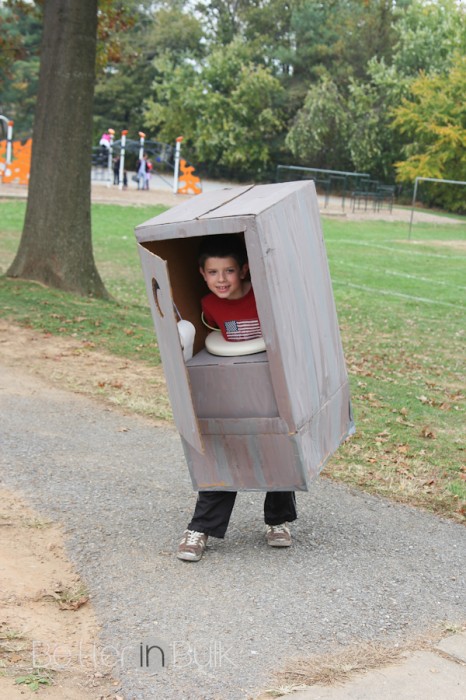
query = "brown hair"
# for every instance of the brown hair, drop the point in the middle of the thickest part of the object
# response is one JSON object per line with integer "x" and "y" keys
{"x": 223, "y": 245}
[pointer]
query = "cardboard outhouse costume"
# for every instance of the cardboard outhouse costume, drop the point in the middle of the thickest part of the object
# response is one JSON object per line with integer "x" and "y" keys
{"x": 265, "y": 421}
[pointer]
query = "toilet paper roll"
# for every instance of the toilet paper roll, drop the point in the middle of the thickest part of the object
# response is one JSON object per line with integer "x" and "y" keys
{"x": 186, "y": 331}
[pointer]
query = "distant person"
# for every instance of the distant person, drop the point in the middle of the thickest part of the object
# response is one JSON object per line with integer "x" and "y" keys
{"x": 141, "y": 170}
{"x": 105, "y": 144}
{"x": 116, "y": 170}
{"x": 147, "y": 174}
{"x": 105, "y": 141}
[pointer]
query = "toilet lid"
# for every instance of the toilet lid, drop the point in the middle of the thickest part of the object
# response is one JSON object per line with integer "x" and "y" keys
{"x": 216, "y": 344}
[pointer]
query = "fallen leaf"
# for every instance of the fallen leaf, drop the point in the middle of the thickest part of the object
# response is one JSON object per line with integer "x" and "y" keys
{"x": 402, "y": 421}
{"x": 75, "y": 605}
{"x": 427, "y": 432}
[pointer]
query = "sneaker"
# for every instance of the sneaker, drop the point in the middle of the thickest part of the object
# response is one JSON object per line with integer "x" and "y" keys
{"x": 191, "y": 547}
{"x": 278, "y": 535}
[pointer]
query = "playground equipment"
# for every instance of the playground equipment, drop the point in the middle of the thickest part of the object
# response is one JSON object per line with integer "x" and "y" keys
{"x": 122, "y": 159}
{"x": 177, "y": 163}
{"x": 163, "y": 156}
{"x": 9, "y": 137}
{"x": 15, "y": 159}
{"x": 15, "y": 156}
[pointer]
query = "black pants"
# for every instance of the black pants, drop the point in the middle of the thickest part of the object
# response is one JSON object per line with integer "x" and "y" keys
{"x": 213, "y": 510}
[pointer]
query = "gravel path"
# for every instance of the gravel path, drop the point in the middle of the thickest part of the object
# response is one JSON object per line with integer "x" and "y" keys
{"x": 361, "y": 568}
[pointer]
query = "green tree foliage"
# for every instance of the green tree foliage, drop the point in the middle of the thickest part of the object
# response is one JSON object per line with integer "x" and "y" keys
{"x": 335, "y": 46}
{"x": 20, "y": 37}
{"x": 318, "y": 136}
{"x": 228, "y": 110}
{"x": 367, "y": 33}
{"x": 427, "y": 35}
{"x": 336, "y": 38}
{"x": 172, "y": 67}
{"x": 223, "y": 19}
{"x": 372, "y": 145}
{"x": 126, "y": 82}
{"x": 174, "y": 32}
{"x": 432, "y": 122}
{"x": 359, "y": 106}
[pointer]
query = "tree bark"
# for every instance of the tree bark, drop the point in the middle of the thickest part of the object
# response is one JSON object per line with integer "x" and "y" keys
{"x": 56, "y": 243}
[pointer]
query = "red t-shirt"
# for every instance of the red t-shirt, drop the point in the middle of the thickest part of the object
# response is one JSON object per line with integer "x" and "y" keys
{"x": 236, "y": 318}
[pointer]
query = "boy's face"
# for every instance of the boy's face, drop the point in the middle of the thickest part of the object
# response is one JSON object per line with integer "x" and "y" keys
{"x": 224, "y": 277}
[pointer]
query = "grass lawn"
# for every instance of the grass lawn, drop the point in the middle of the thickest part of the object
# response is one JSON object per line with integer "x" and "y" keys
{"x": 123, "y": 327}
{"x": 401, "y": 307}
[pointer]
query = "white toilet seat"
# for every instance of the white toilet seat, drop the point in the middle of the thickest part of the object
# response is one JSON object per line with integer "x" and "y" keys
{"x": 216, "y": 344}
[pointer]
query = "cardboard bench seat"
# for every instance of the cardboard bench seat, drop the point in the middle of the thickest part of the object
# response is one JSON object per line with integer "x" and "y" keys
{"x": 232, "y": 387}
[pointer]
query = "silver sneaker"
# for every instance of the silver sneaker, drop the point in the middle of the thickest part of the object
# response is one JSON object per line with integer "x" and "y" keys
{"x": 278, "y": 535}
{"x": 192, "y": 546}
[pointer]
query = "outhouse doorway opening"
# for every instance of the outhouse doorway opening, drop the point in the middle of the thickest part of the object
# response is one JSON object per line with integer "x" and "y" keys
{"x": 187, "y": 285}
{"x": 245, "y": 379}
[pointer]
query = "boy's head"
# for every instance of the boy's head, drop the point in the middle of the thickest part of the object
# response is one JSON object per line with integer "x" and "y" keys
{"x": 223, "y": 265}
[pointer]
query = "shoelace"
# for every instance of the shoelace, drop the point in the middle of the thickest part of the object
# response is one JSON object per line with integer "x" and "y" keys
{"x": 193, "y": 538}
{"x": 280, "y": 529}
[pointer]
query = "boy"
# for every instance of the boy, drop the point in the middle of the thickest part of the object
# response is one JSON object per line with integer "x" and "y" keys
{"x": 231, "y": 307}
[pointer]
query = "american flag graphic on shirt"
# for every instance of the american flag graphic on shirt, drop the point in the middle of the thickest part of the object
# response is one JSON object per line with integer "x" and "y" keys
{"x": 243, "y": 330}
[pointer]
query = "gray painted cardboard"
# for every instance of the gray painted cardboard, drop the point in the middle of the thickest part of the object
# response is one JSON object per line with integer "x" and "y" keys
{"x": 286, "y": 411}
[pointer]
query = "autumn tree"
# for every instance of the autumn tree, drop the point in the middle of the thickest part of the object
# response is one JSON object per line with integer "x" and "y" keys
{"x": 346, "y": 121}
{"x": 228, "y": 110}
{"x": 56, "y": 245}
{"x": 432, "y": 121}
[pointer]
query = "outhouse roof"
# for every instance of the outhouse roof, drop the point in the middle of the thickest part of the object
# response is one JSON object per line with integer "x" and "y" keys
{"x": 218, "y": 204}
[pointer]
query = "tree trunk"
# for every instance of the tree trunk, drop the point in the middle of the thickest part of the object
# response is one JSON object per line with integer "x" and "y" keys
{"x": 56, "y": 244}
